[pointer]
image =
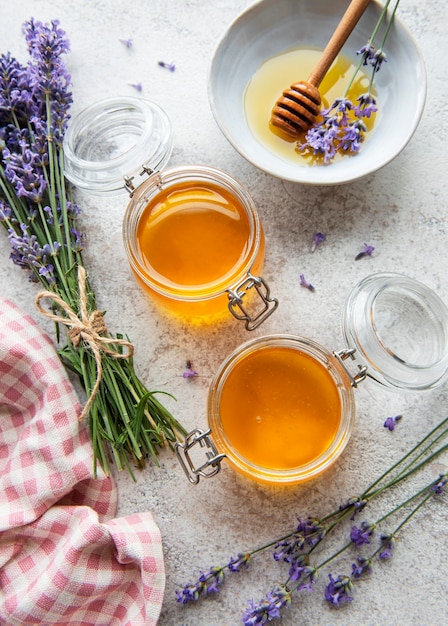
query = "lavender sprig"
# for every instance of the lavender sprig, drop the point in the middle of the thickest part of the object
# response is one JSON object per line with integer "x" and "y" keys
{"x": 297, "y": 547}
{"x": 40, "y": 218}
{"x": 338, "y": 589}
{"x": 342, "y": 128}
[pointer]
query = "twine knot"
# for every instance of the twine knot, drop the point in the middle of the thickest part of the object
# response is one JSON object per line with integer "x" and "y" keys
{"x": 94, "y": 327}
{"x": 91, "y": 329}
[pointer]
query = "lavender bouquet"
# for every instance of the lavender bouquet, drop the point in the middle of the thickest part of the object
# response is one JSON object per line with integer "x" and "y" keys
{"x": 40, "y": 218}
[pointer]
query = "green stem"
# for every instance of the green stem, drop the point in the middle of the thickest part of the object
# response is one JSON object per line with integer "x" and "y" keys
{"x": 63, "y": 206}
{"x": 406, "y": 456}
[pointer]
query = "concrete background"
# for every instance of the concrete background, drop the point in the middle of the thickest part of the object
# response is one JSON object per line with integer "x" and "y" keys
{"x": 401, "y": 210}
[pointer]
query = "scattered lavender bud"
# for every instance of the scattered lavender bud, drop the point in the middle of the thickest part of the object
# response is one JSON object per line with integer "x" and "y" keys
{"x": 391, "y": 422}
{"x": 169, "y": 66}
{"x": 137, "y": 86}
{"x": 305, "y": 283}
{"x": 366, "y": 252}
{"x": 189, "y": 372}
{"x": 127, "y": 42}
{"x": 317, "y": 239}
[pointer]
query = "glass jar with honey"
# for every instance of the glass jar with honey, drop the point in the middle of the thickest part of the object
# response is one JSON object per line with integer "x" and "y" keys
{"x": 281, "y": 408}
{"x": 192, "y": 234}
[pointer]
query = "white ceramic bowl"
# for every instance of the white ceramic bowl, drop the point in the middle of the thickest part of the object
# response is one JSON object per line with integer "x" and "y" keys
{"x": 271, "y": 27}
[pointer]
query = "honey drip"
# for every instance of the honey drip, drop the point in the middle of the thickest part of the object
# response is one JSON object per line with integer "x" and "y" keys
{"x": 280, "y": 408}
{"x": 270, "y": 80}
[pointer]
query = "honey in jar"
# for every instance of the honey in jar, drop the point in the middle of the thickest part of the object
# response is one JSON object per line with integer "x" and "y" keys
{"x": 191, "y": 236}
{"x": 280, "y": 409}
{"x": 288, "y": 408}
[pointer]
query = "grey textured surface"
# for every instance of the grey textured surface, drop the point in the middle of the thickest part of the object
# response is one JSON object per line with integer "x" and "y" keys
{"x": 401, "y": 210}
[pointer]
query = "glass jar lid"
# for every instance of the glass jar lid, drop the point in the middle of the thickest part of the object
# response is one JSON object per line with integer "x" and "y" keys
{"x": 112, "y": 143}
{"x": 399, "y": 329}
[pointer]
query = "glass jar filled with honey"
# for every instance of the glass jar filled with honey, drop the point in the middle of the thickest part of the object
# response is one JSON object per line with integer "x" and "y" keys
{"x": 281, "y": 408}
{"x": 192, "y": 234}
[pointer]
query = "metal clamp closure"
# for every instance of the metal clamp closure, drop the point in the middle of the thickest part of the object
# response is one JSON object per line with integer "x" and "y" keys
{"x": 240, "y": 311}
{"x": 361, "y": 375}
{"x": 210, "y": 467}
{"x": 128, "y": 180}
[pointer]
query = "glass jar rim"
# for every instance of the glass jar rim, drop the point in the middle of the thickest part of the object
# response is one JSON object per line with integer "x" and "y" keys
{"x": 347, "y": 413}
{"x": 200, "y": 174}
{"x": 116, "y": 140}
{"x": 399, "y": 329}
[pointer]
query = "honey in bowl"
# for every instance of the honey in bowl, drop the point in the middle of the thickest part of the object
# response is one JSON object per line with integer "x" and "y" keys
{"x": 191, "y": 235}
{"x": 283, "y": 70}
{"x": 280, "y": 409}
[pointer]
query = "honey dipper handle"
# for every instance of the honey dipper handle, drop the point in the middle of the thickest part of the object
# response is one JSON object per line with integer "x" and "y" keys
{"x": 348, "y": 22}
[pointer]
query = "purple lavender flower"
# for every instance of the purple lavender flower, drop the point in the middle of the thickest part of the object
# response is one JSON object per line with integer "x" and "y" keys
{"x": 15, "y": 90}
{"x": 321, "y": 140}
{"x": 28, "y": 254}
{"x": 289, "y": 550}
{"x": 363, "y": 566}
{"x": 367, "y": 51}
{"x": 317, "y": 240}
{"x": 189, "y": 372}
{"x": 137, "y": 86}
{"x": 127, "y": 42}
{"x": 77, "y": 240}
{"x": 73, "y": 209}
{"x": 391, "y": 422}
{"x": 311, "y": 529}
{"x": 242, "y": 560}
{"x": 388, "y": 542}
{"x": 208, "y": 582}
{"x": 366, "y": 107}
{"x": 5, "y": 211}
{"x": 357, "y": 504}
{"x": 378, "y": 59}
{"x": 46, "y": 44}
{"x": 361, "y": 535}
{"x": 365, "y": 252}
{"x": 337, "y": 590}
{"x": 24, "y": 173}
{"x": 352, "y": 136}
{"x": 337, "y": 131}
{"x": 268, "y": 609}
{"x": 306, "y": 572}
{"x": 305, "y": 283}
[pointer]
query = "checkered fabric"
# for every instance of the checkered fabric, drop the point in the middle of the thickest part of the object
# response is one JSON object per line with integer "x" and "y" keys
{"x": 63, "y": 558}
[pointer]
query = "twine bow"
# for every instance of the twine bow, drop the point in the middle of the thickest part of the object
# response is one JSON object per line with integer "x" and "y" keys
{"x": 89, "y": 328}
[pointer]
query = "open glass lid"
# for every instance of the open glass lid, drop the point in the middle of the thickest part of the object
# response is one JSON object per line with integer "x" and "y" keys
{"x": 399, "y": 329}
{"x": 112, "y": 143}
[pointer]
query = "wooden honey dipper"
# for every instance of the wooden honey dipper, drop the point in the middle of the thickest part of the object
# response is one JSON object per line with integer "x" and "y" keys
{"x": 298, "y": 107}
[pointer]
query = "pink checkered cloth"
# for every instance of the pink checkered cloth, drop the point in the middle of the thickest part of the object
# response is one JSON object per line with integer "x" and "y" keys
{"x": 63, "y": 559}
